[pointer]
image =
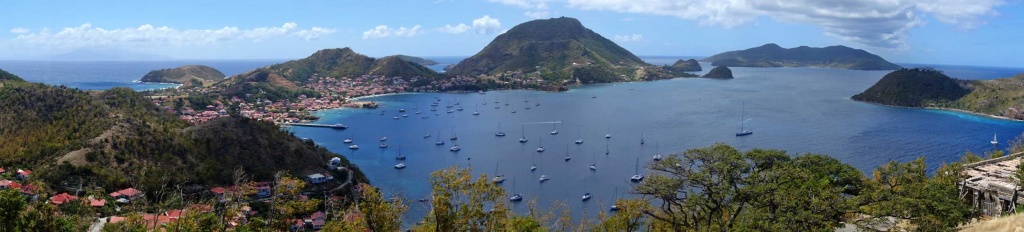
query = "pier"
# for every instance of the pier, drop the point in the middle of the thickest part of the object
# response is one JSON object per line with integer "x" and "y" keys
{"x": 332, "y": 126}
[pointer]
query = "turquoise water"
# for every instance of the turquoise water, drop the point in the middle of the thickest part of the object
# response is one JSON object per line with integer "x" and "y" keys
{"x": 801, "y": 110}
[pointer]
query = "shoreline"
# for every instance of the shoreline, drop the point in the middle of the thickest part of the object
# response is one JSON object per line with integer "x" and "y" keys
{"x": 949, "y": 110}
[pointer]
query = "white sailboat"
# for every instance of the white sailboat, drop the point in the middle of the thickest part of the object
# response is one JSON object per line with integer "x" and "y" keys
{"x": 657, "y": 155}
{"x": 567, "y": 157}
{"x": 615, "y": 203}
{"x": 579, "y": 136}
{"x": 439, "y": 141}
{"x": 994, "y": 140}
{"x": 541, "y": 143}
{"x": 400, "y": 156}
{"x": 586, "y": 195}
{"x": 554, "y": 130}
{"x": 533, "y": 167}
{"x": 743, "y": 130}
{"x": 498, "y": 179}
{"x": 637, "y": 177}
{"x": 593, "y": 165}
{"x": 515, "y": 196}
{"x": 498, "y": 132}
{"x": 523, "y": 138}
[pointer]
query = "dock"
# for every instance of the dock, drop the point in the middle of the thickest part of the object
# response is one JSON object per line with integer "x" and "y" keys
{"x": 332, "y": 126}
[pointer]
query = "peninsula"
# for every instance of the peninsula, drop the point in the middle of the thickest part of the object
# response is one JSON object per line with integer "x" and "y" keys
{"x": 1003, "y": 97}
{"x": 187, "y": 76}
{"x": 771, "y": 55}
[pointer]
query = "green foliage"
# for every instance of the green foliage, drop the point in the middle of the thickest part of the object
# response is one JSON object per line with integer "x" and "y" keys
{"x": 771, "y": 55}
{"x": 914, "y": 88}
{"x": 18, "y": 215}
{"x": 720, "y": 72}
{"x": 1001, "y": 97}
{"x": 558, "y": 48}
{"x": 184, "y": 75}
{"x": 6, "y": 76}
{"x": 904, "y": 191}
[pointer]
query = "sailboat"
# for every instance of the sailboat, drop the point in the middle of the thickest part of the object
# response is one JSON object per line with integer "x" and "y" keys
{"x": 609, "y": 134}
{"x": 498, "y": 132}
{"x": 400, "y": 166}
{"x": 348, "y": 139}
{"x": 439, "y": 141}
{"x": 498, "y": 179}
{"x": 515, "y": 196}
{"x": 586, "y": 195}
{"x": 454, "y": 137}
{"x": 606, "y": 151}
{"x": 541, "y": 147}
{"x": 383, "y": 145}
{"x": 534, "y": 166}
{"x": 593, "y": 166}
{"x": 400, "y": 156}
{"x": 426, "y": 135}
{"x": 657, "y": 156}
{"x": 579, "y": 136}
{"x": 743, "y": 130}
{"x": 513, "y": 109}
{"x": 641, "y": 138}
{"x": 523, "y": 139}
{"x": 567, "y": 157}
{"x": 994, "y": 141}
{"x": 477, "y": 111}
{"x": 455, "y": 148}
{"x": 554, "y": 130}
{"x": 615, "y": 203}
{"x": 637, "y": 177}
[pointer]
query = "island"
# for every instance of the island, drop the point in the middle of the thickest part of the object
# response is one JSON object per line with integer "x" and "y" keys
{"x": 187, "y": 76}
{"x": 720, "y": 72}
{"x": 690, "y": 65}
{"x": 772, "y": 55}
{"x": 551, "y": 53}
{"x": 928, "y": 88}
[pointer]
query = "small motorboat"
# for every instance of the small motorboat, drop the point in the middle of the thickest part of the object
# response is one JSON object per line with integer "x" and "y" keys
{"x": 353, "y": 147}
{"x": 586, "y": 196}
{"x": 400, "y": 166}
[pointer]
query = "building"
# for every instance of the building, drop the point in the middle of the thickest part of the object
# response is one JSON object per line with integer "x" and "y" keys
{"x": 62, "y": 198}
{"x": 24, "y": 174}
{"x": 126, "y": 194}
{"x": 990, "y": 185}
{"x": 263, "y": 190}
{"x": 316, "y": 178}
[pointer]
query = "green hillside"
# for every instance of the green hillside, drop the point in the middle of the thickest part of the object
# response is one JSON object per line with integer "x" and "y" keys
{"x": 119, "y": 138}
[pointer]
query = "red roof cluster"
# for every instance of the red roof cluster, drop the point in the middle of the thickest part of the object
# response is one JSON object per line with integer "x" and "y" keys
{"x": 128, "y": 192}
{"x": 62, "y": 198}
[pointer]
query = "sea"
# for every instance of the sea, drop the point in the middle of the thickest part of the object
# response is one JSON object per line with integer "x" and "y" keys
{"x": 799, "y": 110}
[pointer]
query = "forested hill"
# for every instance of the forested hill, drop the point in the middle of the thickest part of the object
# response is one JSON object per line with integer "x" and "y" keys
{"x": 558, "y": 50}
{"x": 914, "y": 88}
{"x": 771, "y": 55}
{"x": 119, "y": 138}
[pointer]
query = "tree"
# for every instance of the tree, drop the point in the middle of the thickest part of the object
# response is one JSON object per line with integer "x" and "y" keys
{"x": 11, "y": 205}
{"x": 459, "y": 203}
{"x": 904, "y": 192}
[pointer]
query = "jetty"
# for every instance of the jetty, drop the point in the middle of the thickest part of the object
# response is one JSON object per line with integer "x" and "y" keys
{"x": 332, "y": 126}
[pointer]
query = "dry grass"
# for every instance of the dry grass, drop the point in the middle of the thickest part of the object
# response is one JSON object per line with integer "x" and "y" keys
{"x": 1007, "y": 223}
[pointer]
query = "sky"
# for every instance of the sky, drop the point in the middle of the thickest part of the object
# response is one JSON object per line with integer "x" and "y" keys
{"x": 959, "y": 32}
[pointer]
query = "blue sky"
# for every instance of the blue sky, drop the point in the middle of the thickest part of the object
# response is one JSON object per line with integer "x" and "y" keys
{"x": 967, "y": 32}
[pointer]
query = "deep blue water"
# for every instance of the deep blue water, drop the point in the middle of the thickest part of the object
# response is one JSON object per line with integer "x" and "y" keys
{"x": 801, "y": 110}
{"x": 99, "y": 75}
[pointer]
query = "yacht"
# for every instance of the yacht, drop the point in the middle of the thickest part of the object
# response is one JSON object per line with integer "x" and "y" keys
{"x": 586, "y": 196}
{"x": 383, "y": 145}
{"x": 637, "y": 177}
{"x": 347, "y": 141}
{"x": 498, "y": 179}
{"x": 523, "y": 138}
{"x": 400, "y": 166}
{"x": 384, "y": 138}
{"x": 541, "y": 147}
{"x": 498, "y": 132}
{"x": 544, "y": 178}
{"x": 395, "y": 117}
{"x": 579, "y": 136}
{"x": 339, "y": 126}
{"x": 455, "y": 148}
{"x": 743, "y": 130}
{"x": 439, "y": 141}
{"x": 657, "y": 158}
{"x": 476, "y": 112}
{"x": 405, "y": 115}
{"x": 515, "y": 198}
{"x": 353, "y": 147}
{"x": 401, "y": 110}
{"x": 459, "y": 109}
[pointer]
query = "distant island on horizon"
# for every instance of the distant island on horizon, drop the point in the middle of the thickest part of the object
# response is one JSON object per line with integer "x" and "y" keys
{"x": 772, "y": 55}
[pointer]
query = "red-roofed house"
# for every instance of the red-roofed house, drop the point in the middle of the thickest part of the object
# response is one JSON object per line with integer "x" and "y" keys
{"x": 174, "y": 215}
{"x": 2, "y": 170}
{"x": 116, "y": 219}
{"x": 6, "y": 184}
{"x": 62, "y": 198}
{"x": 24, "y": 174}
{"x": 97, "y": 202}
{"x": 128, "y": 193}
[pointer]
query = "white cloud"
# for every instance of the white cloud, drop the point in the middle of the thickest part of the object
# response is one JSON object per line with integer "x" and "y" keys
{"x": 875, "y": 23}
{"x": 457, "y": 29}
{"x": 19, "y": 30}
{"x": 486, "y": 25}
{"x": 629, "y": 38}
{"x": 148, "y": 35}
{"x": 528, "y": 4}
{"x": 382, "y": 31}
{"x": 537, "y": 14}
{"x": 482, "y": 25}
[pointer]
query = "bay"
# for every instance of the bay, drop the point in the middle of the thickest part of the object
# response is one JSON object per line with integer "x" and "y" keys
{"x": 800, "y": 110}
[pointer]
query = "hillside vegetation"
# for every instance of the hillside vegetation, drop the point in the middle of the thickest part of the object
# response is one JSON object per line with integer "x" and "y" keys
{"x": 188, "y": 75}
{"x": 118, "y": 138}
{"x": 558, "y": 51}
{"x": 915, "y": 88}
{"x": 771, "y": 55}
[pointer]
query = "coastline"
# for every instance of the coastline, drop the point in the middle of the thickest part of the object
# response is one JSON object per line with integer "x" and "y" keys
{"x": 947, "y": 109}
